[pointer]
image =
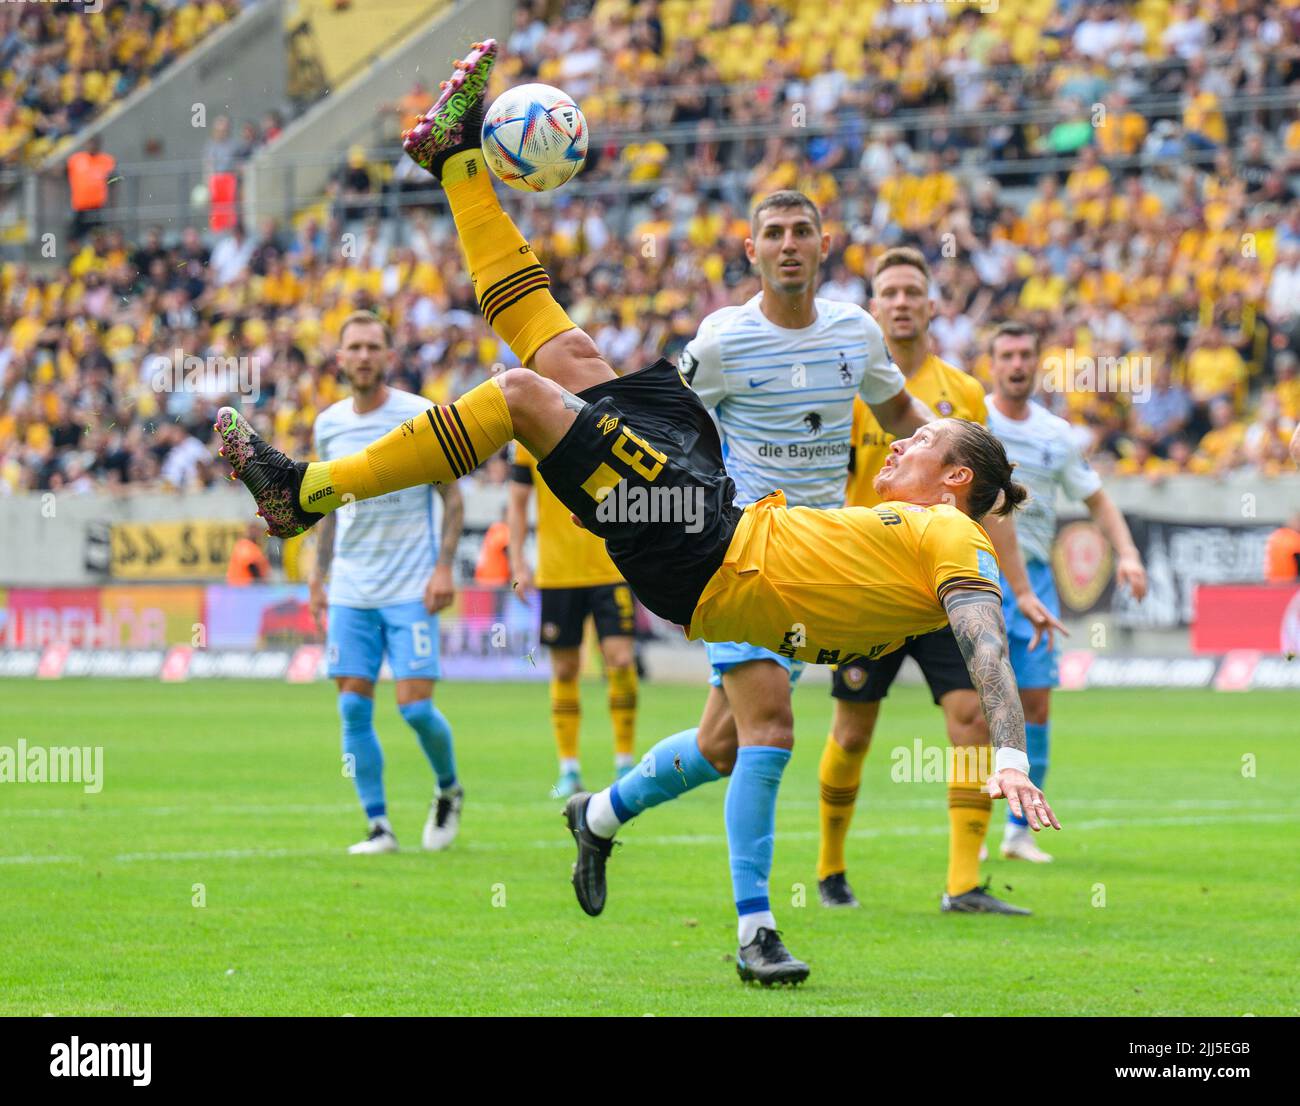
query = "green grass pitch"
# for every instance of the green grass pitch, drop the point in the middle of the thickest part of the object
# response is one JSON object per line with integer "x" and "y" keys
{"x": 237, "y": 787}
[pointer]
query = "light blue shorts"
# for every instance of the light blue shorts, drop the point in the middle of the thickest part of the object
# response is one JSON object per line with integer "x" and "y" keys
{"x": 359, "y": 637}
{"x": 727, "y": 654}
{"x": 1039, "y": 668}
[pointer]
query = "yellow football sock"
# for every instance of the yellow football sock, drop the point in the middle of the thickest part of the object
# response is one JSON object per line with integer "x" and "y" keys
{"x": 438, "y": 447}
{"x": 622, "y": 709}
{"x": 566, "y": 715}
{"x": 969, "y": 810}
{"x": 840, "y": 773}
{"x": 513, "y": 289}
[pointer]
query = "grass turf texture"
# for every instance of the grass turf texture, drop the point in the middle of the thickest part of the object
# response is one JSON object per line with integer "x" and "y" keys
{"x": 237, "y": 787}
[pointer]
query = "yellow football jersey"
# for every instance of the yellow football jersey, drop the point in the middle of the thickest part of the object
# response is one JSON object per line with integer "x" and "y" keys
{"x": 824, "y": 585}
{"x": 942, "y": 387}
{"x": 567, "y": 555}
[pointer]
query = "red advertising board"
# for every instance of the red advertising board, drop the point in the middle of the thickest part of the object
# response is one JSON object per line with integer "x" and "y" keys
{"x": 1259, "y": 617}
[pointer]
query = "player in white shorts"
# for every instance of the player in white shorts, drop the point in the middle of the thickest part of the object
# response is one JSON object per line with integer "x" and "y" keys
{"x": 388, "y": 562}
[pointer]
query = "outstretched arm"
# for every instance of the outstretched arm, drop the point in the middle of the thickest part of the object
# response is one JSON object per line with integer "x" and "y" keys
{"x": 1002, "y": 533}
{"x": 903, "y": 415}
{"x": 1110, "y": 520}
{"x": 976, "y": 620}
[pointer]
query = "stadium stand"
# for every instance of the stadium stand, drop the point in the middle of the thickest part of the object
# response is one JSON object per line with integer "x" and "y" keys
{"x": 1122, "y": 176}
{"x": 60, "y": 72}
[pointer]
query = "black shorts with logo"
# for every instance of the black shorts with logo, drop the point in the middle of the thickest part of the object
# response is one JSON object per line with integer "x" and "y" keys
{"x": 565, "y": 610}
{"x": 641, "y": 466}
{"x": 863, "y": 681}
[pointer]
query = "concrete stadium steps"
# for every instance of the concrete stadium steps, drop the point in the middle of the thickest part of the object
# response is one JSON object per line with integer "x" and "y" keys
{"x": 348, "y": 37}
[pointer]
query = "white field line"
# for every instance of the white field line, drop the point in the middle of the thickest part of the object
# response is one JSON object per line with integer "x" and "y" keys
{"x": 98, "y": 809}
{"x": 670, "y": 840}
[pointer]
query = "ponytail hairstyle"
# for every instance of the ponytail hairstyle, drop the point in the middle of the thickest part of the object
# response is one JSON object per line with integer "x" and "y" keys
{"x": 972, "y": 445}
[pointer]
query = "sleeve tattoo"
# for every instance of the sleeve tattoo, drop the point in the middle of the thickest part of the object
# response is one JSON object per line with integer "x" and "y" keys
{"x": 976, "y": 620}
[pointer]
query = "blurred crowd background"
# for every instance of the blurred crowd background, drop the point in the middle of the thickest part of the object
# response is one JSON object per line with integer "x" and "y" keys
{"x": 1121, "y": 175}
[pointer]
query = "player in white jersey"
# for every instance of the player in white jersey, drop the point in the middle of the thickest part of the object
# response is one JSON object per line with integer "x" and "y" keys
{"x": 1046, "y": 459}
{"x": 779, "y": 374}
{"x": 389, "y": 572}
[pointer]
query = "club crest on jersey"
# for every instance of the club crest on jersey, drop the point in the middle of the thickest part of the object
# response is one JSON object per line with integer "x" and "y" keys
{"x": 606, "y": 423}
{"x": 846, "y": 377}
{"x": 854, "y": 677}
{"x": 944, "y": 408}
{"x": 813, "y": 422}
{"x": 987, "y": 564}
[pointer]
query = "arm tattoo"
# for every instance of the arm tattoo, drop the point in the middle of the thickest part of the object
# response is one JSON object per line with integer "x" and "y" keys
{"x": 572, "y": 402}
{"x": 976, "y": 620}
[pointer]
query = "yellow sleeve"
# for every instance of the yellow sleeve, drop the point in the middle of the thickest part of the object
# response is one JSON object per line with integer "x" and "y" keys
{"x": 956, "y": 553}
{"x": 975, "y": 399}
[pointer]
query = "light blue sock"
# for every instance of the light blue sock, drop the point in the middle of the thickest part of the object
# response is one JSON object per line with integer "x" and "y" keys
{"x": 362, "y": 745}
{"x": 434, "y": 731}
{"x": 1036, "y": 748}
{"x": 671, "y": 768}
{"x": 750, "y": 814}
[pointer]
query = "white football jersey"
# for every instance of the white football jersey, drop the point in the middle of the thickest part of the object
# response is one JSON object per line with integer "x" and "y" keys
{"x": 384, "y": 548}
{"x": 783, "y": 399}
{"x": 1046, "y": 457}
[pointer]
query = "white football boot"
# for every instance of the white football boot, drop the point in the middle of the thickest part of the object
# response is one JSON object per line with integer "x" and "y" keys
{"x": 380, "y": 840}
{"x": 443, "y": 823}
{"x": 1018, "y": 844}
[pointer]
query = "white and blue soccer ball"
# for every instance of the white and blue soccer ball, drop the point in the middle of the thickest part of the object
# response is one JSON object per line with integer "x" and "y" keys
{"x": 534, "y": 137}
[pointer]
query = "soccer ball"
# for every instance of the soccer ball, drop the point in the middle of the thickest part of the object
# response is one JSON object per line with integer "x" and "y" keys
{"x": 534, "y": 137}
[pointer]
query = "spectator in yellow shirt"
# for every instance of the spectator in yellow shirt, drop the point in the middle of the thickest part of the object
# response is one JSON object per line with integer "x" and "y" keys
{"x": 1215, "y": 370}
{"x": 1221, "y": 447}
{"x": 1045, "y": 290}
{"x": 1122, "y": 131}
{"x": 1203, "y": 125}
{"x": 1286, "y": 371}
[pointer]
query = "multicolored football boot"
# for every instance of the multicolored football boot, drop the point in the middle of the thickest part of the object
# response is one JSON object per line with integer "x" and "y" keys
{"x": 455, "y": 122}
{"x": 273, "y": 478}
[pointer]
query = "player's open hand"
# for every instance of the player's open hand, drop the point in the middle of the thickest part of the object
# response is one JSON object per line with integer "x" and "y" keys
{"x": 1025, "y": 800}
{"x": 1130, "y": 573}
{"x": 521, "y": 581}
{"x": 1046, "y": 625}
{"x": 440, "y": 590}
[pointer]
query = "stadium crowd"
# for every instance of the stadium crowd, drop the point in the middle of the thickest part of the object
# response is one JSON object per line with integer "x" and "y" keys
{"x": 63, "y": 64}
{"x": 1154, "y": 243}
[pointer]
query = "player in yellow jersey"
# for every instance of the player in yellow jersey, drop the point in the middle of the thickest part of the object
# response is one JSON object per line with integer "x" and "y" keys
{"x": 638, "y": 461}
{"x": 902, "y": 306}
{"x": 575, "y": 578}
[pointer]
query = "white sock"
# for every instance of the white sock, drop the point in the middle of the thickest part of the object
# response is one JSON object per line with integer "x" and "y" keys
{"x": 601, "y": 819}
{"x": 748, "y": 925}
{"x": 1014, "y": 831}
{"x": 623, "y": 761}
{"x": 381, "y": 823}
{"x": 569, "y": 764}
